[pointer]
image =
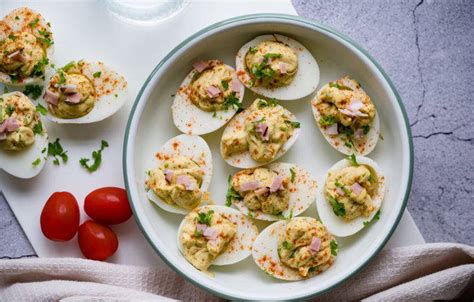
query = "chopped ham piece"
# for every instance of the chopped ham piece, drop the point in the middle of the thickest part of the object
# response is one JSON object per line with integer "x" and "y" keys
{"x": 13, "y": 54}
{"x": 211, "y": 233}
{"x": 249, "y": 186}
{"x": 262, "y": 129}
{"x": 261, "y": 191}
{"x": 69, "y": 88}
{"x": 359, "y": 133}
{"x": 277, "y": 184}
{"x": 282, "y": 67}
{"x": 315, "y": 244}
{"x": 168, "y": 174}
{"x": 73, "y": 98}
{"x": 200, "y": 66}
{"x": 186, "y": 181}
{"x": 201, "y": 227}
{"x": 12, "y": 124}
{"x": 356, "y": 188}
{"x": 340, "y": 191}
{"x": 51, "y": 97}
{"x": 213, "y": 91}
{"x": 332, "y": 130}
{"x": 235, "y": 85}
{"x": 17, "y": 56}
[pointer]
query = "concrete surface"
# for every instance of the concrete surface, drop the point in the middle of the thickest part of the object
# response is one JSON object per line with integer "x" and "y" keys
{"x": 427, "y": 48}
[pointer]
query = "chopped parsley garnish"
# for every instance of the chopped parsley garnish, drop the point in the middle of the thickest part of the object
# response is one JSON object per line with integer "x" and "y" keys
{"x": 253, "y": 50}
{"x": 11, "y": 37}
{"x": 293, "y": 174}
{"x": 33, "y": 24}
{"x": 56, "y": 150}
{"x": 68, "y": 66}
{"x": 96, "y": 156}
{"x": 353, "y": 160}
{"x": 33, "y": 90}
{"x": 214, "y": 114}
{"x": 251, "y": 214}
{"x": 339, "y": 86}
{"x": 263, "y": 70}
{"x": 17, "y": 18}
{"x": 327, "y": 120}
{"x": 38, "y": 69}
{"x": 287, "y": 245}
{"x": 205, "y": 218}
{"x": 293, "y": 123}
{"x": 10, "y": 109}
{"x": 375, "y": 218}
{"x": 333, "y": 246}
{"x": 231, "y": 193}
{"x": 269, "y": 102}
{"x": 225, "y": 84}
{"x": 337, "y": 206}
{"x": 36, "y": 162}
{"x": 41, "y": 109}
{"x": 38, "y": 128}
{"x": 232, "y": 100}
{"x": 46, "y": 41}
{"x": 62, "y": 78}
{"x": 97, "y": 74}
{"x": 381, "y": 136}
{"x": 366, "y": 129}
{"x": 313, "y": 268}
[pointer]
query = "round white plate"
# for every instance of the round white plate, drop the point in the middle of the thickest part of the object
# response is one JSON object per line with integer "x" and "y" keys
{"x": 150, "y": 125}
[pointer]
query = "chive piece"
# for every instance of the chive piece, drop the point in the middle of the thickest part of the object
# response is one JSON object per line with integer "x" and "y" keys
{"x": 96, "y": 156}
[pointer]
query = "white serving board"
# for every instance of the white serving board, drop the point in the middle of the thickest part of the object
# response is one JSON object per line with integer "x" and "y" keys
{"x": 134, "y": 50}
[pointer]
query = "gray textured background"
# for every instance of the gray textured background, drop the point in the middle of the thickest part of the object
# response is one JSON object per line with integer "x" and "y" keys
{"x": 427, "y": 48}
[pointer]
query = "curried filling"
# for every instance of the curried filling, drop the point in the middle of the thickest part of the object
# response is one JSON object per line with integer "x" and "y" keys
{"x": 214, "y": 87}
{"x": 22, "y": 55}
{"x": 19, "y": 122}
{"x": 345, "y": 110}
{"x": 306, "y": 246}
{"x": 204, "y": 236}
{"x": 350, "y": 191}
{"x": 70, "y": 93}
{"x": 177, "y": 182}
{"x": 271, "y": 64}
{"x": 262, "y": 189}
{"x": 265, "y": 131}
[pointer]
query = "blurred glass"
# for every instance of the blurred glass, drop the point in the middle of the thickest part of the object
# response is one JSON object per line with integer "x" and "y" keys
{"x": 145, "y": 11}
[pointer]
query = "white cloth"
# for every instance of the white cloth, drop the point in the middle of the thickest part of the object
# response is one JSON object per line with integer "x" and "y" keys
{"x": 413, "y": 273}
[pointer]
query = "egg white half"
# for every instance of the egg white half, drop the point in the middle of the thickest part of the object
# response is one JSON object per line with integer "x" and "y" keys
{"x": 244, "y": 160}
{"x": 112, "y": 93}
{"x": 188, "y": 118}
{"x": 337, "y": 225}
{"x": 302, "y": 191}
{"x": 240, "y": 246}
{"x": 305, "y": 81}
{"x": 190, "y": 146}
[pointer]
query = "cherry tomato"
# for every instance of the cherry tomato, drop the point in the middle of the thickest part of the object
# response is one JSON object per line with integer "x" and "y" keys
{"x": 60, "y": 217}
{"x": 96, "y": 241}
{"x": 108, "y": 205}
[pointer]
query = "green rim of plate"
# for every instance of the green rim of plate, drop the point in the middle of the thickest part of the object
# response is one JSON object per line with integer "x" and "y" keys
{"x": 319, "y": 27}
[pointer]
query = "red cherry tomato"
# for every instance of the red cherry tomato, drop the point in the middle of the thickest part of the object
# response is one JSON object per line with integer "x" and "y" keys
{"x": 96, "y": 241}
{"x": 108, "y": 205}
{"x": 60, "y": 217}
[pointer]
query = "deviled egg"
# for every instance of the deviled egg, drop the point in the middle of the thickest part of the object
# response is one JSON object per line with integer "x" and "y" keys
{"x": 295, "y": 249}
{"x": 84, "y": 92}
{"x": 259, "y": 135}
{"x": 180, "y": 174}
{"x": 26, "y": 45}
{"x": 277, "y": 66}
{"x": 347, "y": 117}
{"x": 23, "y": 138}
{"x": 279, "y": 191}
{"x": 208, "y": 98}
{"x": 352, "y": 195}
{"x": 215, "y": 235}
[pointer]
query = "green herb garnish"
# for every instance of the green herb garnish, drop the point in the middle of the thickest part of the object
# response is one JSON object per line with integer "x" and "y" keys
{"x": 38, "y": 69}
{"x": 17, "y": 18}
{"x": 375, "y": 218}
{"x": 366, "y": 129}
{"x": 225, "y": 84}
{"x": 337, "y": 206}
{"x": 205, "y": 218}
{"x": 232, "y": 101}
{"x": 293, "y": 174}
{"x": 68, "y": 66}
{"x": 41, "y": 109}
{"x": 96, "y": 156}
{"x": 36, "y": 162}
{"x": 97, "y": 74}
{"x": 327, "y": 120}
{"x": 56, "y": 150}
{"x": 293, "y": 123}
{"x": 287, "y": 245}
{"x": 339, "y": 86}
{"x": 33, "y": 90}
{"x": 10, "y": 109}
{"x": 270, "y": 102}
{"x": 12, "y": 37}
{"x": 231, "y": 193}
{"x": 263, "y": 70}
{"x": 353, "y": 160}
{"x": 33, "y": 24}
{"x": 333, "y": 246}
{"x": 343, "y": 188}
{"x": 38, "y": 128}
{"x": 253, "y": 50}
